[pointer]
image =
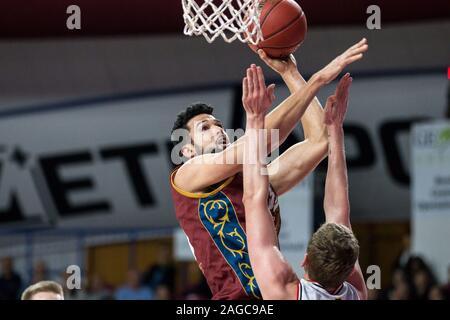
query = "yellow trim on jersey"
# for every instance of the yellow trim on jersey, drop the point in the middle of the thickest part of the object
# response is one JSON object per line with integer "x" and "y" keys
{"x": 199, "y": 195}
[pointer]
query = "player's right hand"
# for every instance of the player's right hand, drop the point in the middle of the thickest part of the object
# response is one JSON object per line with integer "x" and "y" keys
{"x": 282, "y": 67}
{"x": 335, "y": 67}
{"x": 256, "y": 97}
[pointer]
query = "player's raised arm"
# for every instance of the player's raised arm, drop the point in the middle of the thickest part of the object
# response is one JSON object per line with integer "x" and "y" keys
{"x": 312, "y": 121}
{"x": 302, "y": 158}
{"x": 336, "y": 201}
{"x": 307, "y": 91}
{"x": 274, "y": 275}
{"x": 204, "y": 170}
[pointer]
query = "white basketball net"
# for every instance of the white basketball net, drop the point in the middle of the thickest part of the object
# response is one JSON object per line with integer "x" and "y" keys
{"x": 230, "y": 19}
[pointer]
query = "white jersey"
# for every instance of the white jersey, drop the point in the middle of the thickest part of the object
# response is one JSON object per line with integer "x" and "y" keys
{"x": 310, "y": 290}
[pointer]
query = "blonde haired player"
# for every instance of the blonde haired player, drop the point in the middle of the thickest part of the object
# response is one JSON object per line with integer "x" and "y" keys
{"x": 332, "y": 271}
{"x": 44, "y": 290}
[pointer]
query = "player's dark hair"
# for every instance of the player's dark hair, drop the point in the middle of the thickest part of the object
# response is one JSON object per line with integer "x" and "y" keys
{"x": 193, "y": 110}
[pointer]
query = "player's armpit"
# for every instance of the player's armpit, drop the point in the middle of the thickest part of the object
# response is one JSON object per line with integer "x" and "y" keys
{"x": 288, "y": 292}
{"x": 295, "y": 164}
{"x": 276, "y": 278}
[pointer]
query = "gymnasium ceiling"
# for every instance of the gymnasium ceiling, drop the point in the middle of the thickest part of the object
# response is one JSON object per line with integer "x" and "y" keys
{"x": 47, "y": 18}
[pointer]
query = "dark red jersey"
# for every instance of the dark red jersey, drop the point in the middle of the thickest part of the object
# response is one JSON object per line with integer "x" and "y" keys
{"x": 214, "y": 223}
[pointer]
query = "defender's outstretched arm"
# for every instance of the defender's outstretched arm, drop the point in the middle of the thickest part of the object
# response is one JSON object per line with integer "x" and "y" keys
{"x": 336, "y": 201}
{"x": 274, "y": 275}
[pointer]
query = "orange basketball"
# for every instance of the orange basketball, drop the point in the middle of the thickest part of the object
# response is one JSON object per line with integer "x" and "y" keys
{"x": 283, "y": 25}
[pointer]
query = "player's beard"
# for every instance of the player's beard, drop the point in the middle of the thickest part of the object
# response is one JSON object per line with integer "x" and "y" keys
{"x": 221, "y": 143}
{"x": 216, "y": 147}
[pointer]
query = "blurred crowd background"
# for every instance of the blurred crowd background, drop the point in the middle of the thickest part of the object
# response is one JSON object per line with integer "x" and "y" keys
{"x": 410, "y": 278}
{"x": 159, "y": 281}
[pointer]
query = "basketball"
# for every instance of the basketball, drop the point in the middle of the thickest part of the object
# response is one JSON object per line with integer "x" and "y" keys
{"x": 283, "y": 25}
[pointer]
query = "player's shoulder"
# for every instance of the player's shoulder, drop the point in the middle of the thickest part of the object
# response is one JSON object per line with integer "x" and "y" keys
{"x": 350, "y": 291}
{"x": 311, "y": 290}
{"x": 183, "y": 186}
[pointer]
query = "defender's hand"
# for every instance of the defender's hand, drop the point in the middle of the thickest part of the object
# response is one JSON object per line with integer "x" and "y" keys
{"x": 256, "y": 97}
{"x": 337, "y": 104}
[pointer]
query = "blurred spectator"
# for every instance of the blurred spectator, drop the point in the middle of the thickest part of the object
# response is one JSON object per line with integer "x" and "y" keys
{"x": 435, "y": 293}
{"x": 10, "y": 281}
{"x": 198, "y": 290}
{"x": 399, "y": 277}
{"x": 400, "y": 292}
{"x": 400, "y": 288}
{"x": 421, "y": 276}
{"x": 415, "y": 281}
{"x": 163, "y": 292}
{"x": 422, "y": 284}
{"x": 40, "y": 272}
{"x": 373, "y": 294}
{"x": 405, "y": 253}
{"x": 44, "y": 290}
{"x": 161, "y": 273}
{"x": 133, "y": 289}
{"x": 97, "y": 289}
{"x": 416, "y": 264}
{"x": 446, "y": 287}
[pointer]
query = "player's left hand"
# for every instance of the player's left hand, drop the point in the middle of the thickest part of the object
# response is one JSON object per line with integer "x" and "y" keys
{"x": 256, "y": 97}
{"x": 336, "y": 106}
{"x": 282, "y": 67}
